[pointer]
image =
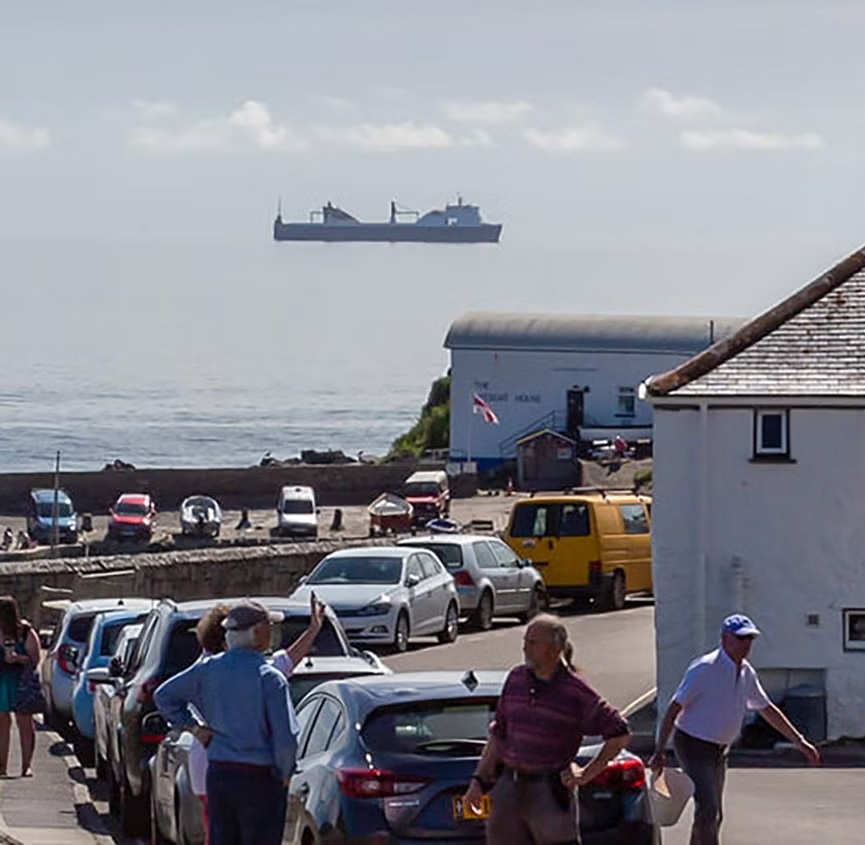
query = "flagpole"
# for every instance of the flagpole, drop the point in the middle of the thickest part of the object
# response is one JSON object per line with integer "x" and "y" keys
{"x": 471, "y": 417}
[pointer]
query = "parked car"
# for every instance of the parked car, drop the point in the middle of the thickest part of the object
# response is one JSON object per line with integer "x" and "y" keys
{"x": 200, "y": 516}
{"x": 92, "y": 668}
{"x": 386, "y": 595}
{"x": 106, "y": 682}
{"x": 428, "y": 492}
{"x": 168, "y": 645}
{"x": 296, "y": 512}
{"x": 64, "y": 651}
{"x": 389, "y": 758}
{"x": 175, "y": 812}
{"x": 592, "y": 545}
{"x": 132, "y": 517}
{"x": 40, "y": 517}
{"x": 490, "y": 579}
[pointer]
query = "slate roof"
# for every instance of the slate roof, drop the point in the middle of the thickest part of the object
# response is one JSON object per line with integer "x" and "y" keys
{"x": 811, "y": 344}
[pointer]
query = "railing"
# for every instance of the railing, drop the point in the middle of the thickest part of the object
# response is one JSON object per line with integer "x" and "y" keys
{"x": 554, "y": 420}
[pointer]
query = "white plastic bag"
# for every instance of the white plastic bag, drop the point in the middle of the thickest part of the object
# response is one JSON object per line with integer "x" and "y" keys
{"x": 669, "y": 793}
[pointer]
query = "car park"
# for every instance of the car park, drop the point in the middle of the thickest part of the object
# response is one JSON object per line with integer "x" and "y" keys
{"x": 386, "y": 594}
{"x": 92, "y": 669}
{"x": 64, "y": 650}
{"x": 490, "y": 579}
{"x": 389, "y": 759}
{"x": 132, "y": 517}
{"x": 41, "y": 516}
{"x": 175, "y": 812}
{"x": 168, "y": 645}
{"x": 593, "y": 544}
{"x": 106, "y": 683}
{"x": 297, "y": 513}
{"x": 200, "y": 516}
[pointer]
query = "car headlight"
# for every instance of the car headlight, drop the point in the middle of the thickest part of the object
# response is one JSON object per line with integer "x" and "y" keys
{"x": 378, "y": 608}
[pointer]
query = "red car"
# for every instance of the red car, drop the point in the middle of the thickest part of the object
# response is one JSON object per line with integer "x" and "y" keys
{"x": 133, "y": 516}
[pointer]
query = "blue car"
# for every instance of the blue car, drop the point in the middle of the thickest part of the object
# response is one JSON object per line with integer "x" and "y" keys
{"x": 388, "y": 759}
{"x": 97, "y": 654}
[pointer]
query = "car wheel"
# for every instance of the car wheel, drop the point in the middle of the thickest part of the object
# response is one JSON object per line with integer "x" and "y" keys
{"x": 451, "y": 629}
{"x": 134, "y": 812}
{"x": 537, "y": 602}
{"x": 614, "y": 597}
{"x": 482, "y": 619}
{"x": 401, "y": 633}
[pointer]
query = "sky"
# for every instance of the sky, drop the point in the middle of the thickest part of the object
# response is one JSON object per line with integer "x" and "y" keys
{"x": 695, "y": 158}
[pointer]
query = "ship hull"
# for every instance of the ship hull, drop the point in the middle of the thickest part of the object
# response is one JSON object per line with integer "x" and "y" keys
{"x": 387, "y": 232}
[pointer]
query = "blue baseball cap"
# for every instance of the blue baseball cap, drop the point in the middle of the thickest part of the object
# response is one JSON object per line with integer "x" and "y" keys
{"x": 740, "y": 626}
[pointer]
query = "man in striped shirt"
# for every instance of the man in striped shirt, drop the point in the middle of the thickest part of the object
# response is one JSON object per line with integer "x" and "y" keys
{"x": 544, "y": 712}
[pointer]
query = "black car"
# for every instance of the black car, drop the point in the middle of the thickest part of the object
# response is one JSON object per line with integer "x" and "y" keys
{"x": 388, "y": 758}
{"x": 168, "y": 645}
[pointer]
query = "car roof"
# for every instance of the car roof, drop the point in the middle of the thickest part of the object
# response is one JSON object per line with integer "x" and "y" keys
{"x": 588, "y": 496}
{"x": 451, "y": 539}
{"x": 139, "y": 498}
{"x": 101, "y": 605}
{"x": 109, "y": 616}
{"x": 368, "y": 551}
{"x": 293, "y": 607}
{"x": 325, "y": 665}
{"x": 373, "y": 691}
{"x": 46, "y": 494}
{"x": 297, "y": 490}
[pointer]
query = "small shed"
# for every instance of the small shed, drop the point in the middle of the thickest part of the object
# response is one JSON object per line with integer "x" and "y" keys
{"x": 546, "y": 459}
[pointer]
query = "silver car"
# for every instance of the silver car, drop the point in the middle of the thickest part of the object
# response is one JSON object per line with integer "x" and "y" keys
{"x": 491, "y": 580}
{"x": 386, "y": 594}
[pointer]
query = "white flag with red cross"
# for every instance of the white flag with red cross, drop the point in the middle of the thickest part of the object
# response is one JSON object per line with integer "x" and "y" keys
{"x": 482, "y": 408}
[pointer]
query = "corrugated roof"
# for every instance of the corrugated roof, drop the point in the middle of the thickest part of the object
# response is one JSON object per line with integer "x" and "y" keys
{"x": 587, "y": 333}
{"x": 811, "y": 344}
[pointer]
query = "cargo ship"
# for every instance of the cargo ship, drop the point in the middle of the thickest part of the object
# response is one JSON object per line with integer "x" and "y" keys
{"x": 458, "y": 223}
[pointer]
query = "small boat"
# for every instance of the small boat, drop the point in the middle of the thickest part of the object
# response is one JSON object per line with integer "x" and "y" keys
{"x": 200, "y": 516}
{"x": 389, "y": 512}
{"x": 457, "y": 223}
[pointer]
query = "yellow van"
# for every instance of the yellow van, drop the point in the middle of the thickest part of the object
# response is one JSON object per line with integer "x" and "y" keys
{"x": 592, "y": 544}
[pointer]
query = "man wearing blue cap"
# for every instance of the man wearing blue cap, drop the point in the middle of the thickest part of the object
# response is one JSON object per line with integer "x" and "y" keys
{"x": 707, "y": 712}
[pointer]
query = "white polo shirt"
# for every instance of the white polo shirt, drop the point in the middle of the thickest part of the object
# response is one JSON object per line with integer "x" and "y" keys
{"x": 714, "y": 697}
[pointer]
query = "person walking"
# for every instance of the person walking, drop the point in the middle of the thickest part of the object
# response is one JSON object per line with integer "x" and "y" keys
{"x": 706, "y": 713}
{"x": 20, "y": 652}
{"x": 543, "y": 713}
{"x": 243, "y": 716}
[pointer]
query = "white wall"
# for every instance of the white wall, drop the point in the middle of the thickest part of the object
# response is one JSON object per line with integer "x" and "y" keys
{"x": 522, "y": 386}
{"x": 782, "y": 541}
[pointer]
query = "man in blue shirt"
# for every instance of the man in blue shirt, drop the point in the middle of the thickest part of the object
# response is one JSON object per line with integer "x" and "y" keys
{"x": 239, "y": 708}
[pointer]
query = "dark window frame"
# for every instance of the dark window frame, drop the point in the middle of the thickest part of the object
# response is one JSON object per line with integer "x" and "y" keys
{"x": 766, "y": 453}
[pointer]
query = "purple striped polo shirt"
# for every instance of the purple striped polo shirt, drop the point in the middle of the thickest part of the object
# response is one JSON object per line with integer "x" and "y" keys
{"x": 541, "y": 724}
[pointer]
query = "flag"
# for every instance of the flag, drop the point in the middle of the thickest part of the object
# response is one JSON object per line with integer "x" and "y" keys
{"x": 482, "y": 408}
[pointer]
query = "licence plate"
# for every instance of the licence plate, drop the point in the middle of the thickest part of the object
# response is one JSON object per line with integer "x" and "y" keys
{"x": 463, "y": 812}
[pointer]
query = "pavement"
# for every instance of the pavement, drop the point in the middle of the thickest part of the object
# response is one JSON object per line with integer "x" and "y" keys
{"x": 55, "y": 806}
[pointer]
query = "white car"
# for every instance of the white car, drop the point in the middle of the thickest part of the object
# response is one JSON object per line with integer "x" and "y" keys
{"x": 385, "y": 595}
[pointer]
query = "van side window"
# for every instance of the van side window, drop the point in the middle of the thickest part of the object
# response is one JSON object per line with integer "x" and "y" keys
{"x": 634, "y": 519}
{"x": 574, "y": 520}
{"x": 532, "y": 520}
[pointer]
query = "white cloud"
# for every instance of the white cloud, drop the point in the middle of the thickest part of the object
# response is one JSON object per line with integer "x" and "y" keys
{"x": 486, "y": 113}
{"x": 391, "y": 137}
{"x": 574, "y": 140}
{"x": 155, "y": 110}
{"x": 744, "y": 139}
{"x": 685, "y": 107}
{"x": 250, "y": 127}
{"x": 15, "y": 138}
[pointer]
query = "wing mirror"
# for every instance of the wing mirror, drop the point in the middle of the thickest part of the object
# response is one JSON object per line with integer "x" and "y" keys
{"x": 115, "y": 667}
{"x": 412, "y": 580}
{"x": 98, "y": 675}
{"x": 153, "y": 728}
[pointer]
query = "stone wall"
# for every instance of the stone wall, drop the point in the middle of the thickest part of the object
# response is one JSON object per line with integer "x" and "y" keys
{"x": 199, "y": 574}
{"x": 253, "y": 487}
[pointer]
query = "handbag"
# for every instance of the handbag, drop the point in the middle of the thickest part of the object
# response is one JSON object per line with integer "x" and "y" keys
{"x": 29, "y": 697}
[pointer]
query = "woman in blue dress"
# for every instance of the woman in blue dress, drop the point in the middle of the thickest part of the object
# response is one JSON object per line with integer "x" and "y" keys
{"x": 20, "y": 649}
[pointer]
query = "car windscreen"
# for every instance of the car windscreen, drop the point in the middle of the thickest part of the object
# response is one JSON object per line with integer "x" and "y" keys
{"x": 130, "y": 509}
{"x": 183, "y": 648}
{"x": 455, "y": 727}
{"x": 357, "y": 570}
{"x": 46, "y": 509}
{"x": 199, "y": 502}
{"x": 422, "y": 488}
{"x": 326, "y": 644}
{"x": 450, "y": 554}
{"x": 297, "y": 506}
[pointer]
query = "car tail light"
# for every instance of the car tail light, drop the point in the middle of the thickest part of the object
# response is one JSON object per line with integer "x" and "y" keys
{"x": 146, "y": 690}
{"x": 463, "y": 579}
{"x": 67, "y": 656}
{"x": 622, "y": 774}
{"x": 594, "y": 567}
{"x": 151, "y": 739}
{"x": 376, "y": 783}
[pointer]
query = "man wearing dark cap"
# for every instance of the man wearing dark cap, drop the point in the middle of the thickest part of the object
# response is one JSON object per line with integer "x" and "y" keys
{"x": 239, "y": 708}
{"x": 707, "y": 712}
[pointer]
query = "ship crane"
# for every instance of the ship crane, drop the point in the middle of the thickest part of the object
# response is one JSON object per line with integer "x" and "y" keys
{"x": 396, "y": 212}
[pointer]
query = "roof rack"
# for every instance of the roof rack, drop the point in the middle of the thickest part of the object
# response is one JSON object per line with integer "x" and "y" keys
{"x": 602, "y": 490}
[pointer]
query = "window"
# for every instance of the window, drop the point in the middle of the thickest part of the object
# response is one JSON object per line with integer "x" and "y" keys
{"x": 627, "y": 396}
{"x": 450, "y": 554}
{"x": 574, "y": 520}
{"x": 485, "y": 558}
{"x": 304, "y": 721}
{"x": 430, "y": 565}
{"x": 504, "y": 554}
{"x": 413, "y": 567}
{"x": 771, "y": 433}
{"x": 634, "y": 519}
{"x": 531, "y": 520}
{"x": 327, "y": 725}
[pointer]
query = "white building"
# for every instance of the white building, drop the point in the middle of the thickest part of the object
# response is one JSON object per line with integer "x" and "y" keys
{"x": 572, "y": 374}
{"x": 759, "y": 447}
